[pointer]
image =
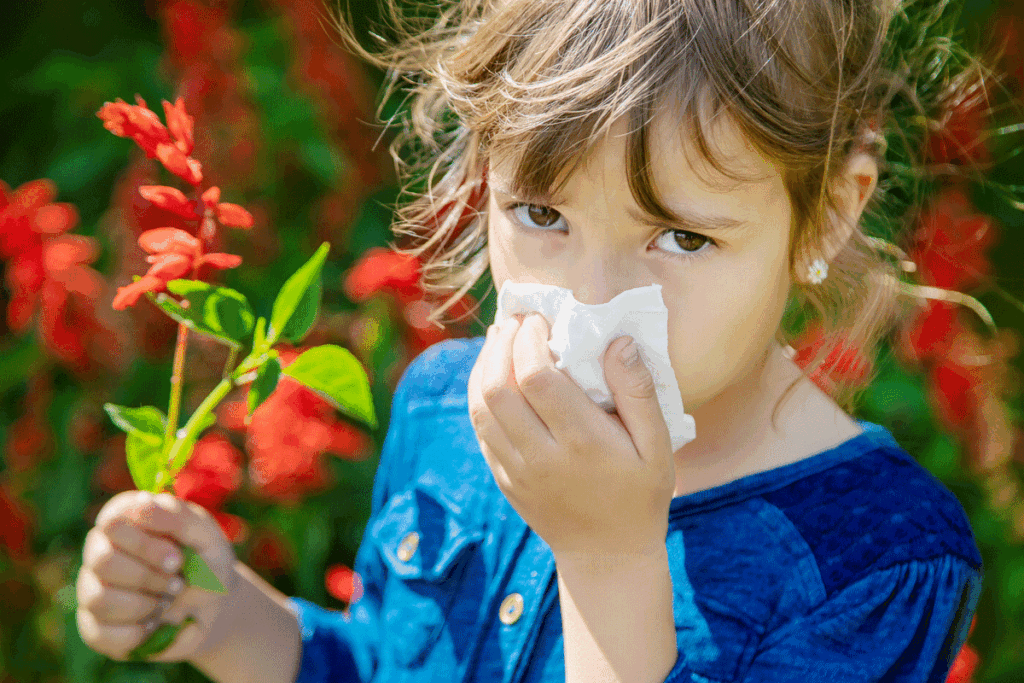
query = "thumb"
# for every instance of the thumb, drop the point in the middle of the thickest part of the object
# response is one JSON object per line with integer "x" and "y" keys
{"x": 636, "y": 399}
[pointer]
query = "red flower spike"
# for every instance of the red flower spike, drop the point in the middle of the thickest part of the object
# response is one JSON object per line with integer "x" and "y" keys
{"x": 169, "y": 199}
{"x": 180, "y": 125}
{"x": 163, "y": 240}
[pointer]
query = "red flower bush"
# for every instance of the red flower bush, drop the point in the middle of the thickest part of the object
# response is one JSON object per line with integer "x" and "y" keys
{"x": 48, "y": 274}
{"x": 287, "y": 435}
{"x": 950, "y": 243}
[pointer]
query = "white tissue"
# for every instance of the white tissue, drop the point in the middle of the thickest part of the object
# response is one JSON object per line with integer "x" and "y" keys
{"x": 581, "y": 334}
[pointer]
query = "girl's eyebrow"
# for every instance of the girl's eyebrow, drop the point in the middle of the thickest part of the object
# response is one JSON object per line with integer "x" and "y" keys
{"x": 685, "y": 220}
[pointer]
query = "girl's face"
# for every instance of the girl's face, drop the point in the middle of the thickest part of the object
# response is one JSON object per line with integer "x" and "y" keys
{"x": 724, "y": 276}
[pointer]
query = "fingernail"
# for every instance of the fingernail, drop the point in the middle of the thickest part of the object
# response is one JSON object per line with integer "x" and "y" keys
{"x": 172, "y": 562}
{"x": 630, "y": 354}
{"x": 175, "y": 585}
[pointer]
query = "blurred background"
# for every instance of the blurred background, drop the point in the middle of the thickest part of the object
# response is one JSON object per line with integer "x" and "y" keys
{"x": 283, "y": 125}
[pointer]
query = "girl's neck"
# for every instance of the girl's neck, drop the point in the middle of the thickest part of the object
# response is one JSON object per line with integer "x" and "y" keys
{"x": 735, "y": 436}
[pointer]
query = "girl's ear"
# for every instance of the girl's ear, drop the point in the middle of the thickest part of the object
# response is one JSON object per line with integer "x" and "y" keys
{"x": 853, "y": 190}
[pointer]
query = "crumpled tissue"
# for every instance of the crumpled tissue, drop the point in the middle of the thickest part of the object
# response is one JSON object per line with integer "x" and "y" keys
{"x": 581, "y": 334}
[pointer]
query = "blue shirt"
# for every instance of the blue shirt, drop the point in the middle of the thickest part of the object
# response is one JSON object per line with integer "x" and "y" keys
{"x": 855, "y": 564}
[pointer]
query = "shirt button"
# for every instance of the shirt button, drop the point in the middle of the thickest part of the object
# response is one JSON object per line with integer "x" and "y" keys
{"x": 408, "y": 546}
{"x": 511, "y": 609}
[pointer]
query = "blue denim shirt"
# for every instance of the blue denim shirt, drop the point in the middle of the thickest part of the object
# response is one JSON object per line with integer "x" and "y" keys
{"x": 855, "y": 564}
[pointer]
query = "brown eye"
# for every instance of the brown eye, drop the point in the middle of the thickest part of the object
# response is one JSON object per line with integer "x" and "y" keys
{"x": 542, "y": 215}
{"x": 689, "y": 241}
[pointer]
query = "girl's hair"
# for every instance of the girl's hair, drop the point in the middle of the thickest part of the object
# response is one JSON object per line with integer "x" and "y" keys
{"x": 540, "y": 81}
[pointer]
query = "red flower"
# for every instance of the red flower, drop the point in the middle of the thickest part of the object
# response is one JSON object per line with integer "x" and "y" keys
{"x": 343, "y": 583}
{"x": 844, "y": 363}
{"x": 227, "y": 214}
{"x": 212, "y": 474}
{"x": 932, "y": 331}
{"x": 48, "y": 271}
{"x": 172, "y": 147}
{"x": 949, "y": 246}
{"x": 381, "y": 269}
{"x": 289, "y": 433}
{"x": 173, "y": 253}
{"x": 964, "y": 665}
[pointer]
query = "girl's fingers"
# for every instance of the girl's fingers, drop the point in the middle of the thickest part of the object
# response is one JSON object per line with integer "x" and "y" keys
{"x": 113, "y": 605}
{"x": 111, "y": 557}
{"x": 509, "y": 407}
{"x": 494, "y": 444}
{"x": 113, "y": 640}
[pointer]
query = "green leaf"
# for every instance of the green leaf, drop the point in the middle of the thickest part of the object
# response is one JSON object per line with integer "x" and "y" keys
{"x": 305, "y": 314}
{"x": 145, "y": 456}
{"x": 335, "y": 374}
{"x": 159, "y": 640}
{"x": 197, "y": 573}
{"x": 264, "y": 384}
{"x": 297, "y": 304}
{"x": 145, "y": 419}
{"x": 218, "y": 312}
{"x": 259, "y": 337}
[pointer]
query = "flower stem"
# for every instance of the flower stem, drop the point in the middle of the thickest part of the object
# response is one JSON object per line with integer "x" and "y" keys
{"x": 191, "y": 430}
{"x": 175, "y": 403}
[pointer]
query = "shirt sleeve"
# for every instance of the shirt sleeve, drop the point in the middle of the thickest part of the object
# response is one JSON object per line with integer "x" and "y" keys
{"x": 340, "y": 647}
{"x": 904, "y": 624}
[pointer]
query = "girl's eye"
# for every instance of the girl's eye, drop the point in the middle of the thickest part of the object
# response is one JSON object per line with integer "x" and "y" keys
{"x": 685, "y": 244}
{"x": 535, "y": 215}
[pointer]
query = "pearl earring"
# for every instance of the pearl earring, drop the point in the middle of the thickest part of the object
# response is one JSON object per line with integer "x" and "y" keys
{"x": 817, "y": 272}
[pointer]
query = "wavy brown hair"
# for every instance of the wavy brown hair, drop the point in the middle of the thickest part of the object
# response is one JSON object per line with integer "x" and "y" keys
{"x": 540, "y": 82}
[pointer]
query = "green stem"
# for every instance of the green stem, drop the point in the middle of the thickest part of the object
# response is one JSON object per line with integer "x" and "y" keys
{"x": 175, "y": 403}
{"x": 190, "y": 431}
{"x": 231, "y": 361}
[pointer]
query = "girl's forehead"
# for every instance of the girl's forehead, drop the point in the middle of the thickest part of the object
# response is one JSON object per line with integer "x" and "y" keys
{"x": 674, "y": 154}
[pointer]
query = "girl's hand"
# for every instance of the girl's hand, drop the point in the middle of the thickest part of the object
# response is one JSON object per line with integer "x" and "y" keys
{"x": 124, "y": 588}
{"x": 587, "y": 482}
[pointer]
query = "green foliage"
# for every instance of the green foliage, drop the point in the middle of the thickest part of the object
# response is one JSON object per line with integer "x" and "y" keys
{"x": 264, "y": 384}
{"x": 218, "y": 312}
{"x": 298, "y": 302}
{"x": 336, "y": 375}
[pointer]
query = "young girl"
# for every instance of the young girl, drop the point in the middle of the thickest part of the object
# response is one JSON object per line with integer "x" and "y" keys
{"x": 726, "y": 151}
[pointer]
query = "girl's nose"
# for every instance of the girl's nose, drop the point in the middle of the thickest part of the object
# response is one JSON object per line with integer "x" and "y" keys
{"x": 596, "y": 287}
